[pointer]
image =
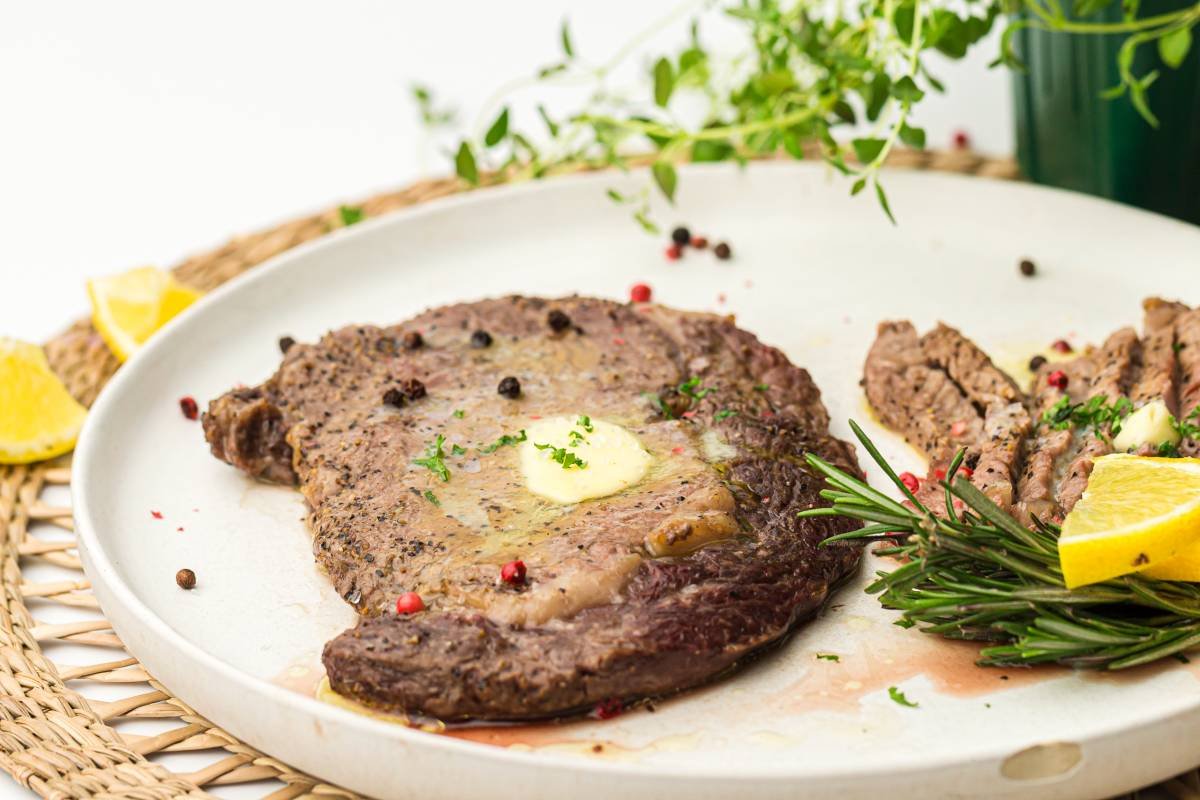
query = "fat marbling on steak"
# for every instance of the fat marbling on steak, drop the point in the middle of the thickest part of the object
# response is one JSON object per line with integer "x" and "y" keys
{"x": 600, "y": 618}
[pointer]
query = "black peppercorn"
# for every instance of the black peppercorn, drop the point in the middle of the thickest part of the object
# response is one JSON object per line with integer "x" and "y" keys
{"x": 1028, "y": 268}
{"x": 413, "y": 340}
{"x": 722, "y": 251}
{"x": 186, "y": 579}
{"x": 393, "y": 397}
{"x": 510, "y": 387}
{"x": 481, "y": 339}
{"x": 558, "y": 321}
{"x": 681, "y": 236}
{"x": 1036, "y": 363}
{"x": 285, "y": 343}
{"x": 412, "y": 388}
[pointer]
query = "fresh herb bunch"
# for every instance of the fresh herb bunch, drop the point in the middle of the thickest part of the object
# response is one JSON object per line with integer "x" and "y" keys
{"x": 978, "y": 574}
{"x": 1095, "y": 412}
{"x": 807, "y": 69}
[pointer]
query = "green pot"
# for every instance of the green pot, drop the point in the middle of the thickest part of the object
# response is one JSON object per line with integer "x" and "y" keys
{"x": 1068, "y": 136}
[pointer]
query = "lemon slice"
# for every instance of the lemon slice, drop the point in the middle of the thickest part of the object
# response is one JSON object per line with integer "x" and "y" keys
{"x": 128, "y": 308}
{"x": 40, "y": 419}
{"x": 1136, "y": 514}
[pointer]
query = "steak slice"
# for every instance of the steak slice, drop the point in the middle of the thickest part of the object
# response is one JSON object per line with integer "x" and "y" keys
{"x": 944, "y": 393}
{"x": 599, "y": 618}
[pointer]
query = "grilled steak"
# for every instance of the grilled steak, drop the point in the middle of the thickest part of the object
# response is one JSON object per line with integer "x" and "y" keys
{"x": 943, "y": 393}
{"x": 656, "y": 588}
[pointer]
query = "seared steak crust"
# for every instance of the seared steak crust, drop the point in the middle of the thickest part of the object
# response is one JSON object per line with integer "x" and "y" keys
{"x": 599, "y": 619}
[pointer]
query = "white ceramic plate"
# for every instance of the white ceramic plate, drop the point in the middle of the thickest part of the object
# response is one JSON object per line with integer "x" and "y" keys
{"x": 813, "y": 272}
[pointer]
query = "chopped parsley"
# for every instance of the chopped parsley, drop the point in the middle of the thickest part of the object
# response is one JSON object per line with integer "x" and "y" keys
{"x": 504, "y": 441}
{"x": 693, "y": 389}
{"x": 433, "y": 498}
{"x": 350, "y": 214}
{"x": 575, "y": 438}
{"x": 828, "y": 657}
{"x": 658, "y": 403}
{"x": 459, "y": 413}
{"x": 585, "y": 422}
{"x": 761, "y": 387}
{"x": 724, "y": 413}
{"x": 458, "y": 450}
{"x": 899, "y": 698}
{"x": 1096, "y": 412}
{"x": 435, "y": 458}
{"x": 1167, "y": 450}
{"x": 563, "y": 456}
{"x": 1188, "y": 429}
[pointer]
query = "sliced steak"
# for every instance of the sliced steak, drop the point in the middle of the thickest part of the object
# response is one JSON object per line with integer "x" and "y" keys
{"x": 598, "y": 618}
{"x": 1113, "y": 372}
{"x": 944, "y": 393}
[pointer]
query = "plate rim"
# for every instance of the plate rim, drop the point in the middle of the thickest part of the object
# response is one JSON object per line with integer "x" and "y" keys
{"x": 107, "y": 580}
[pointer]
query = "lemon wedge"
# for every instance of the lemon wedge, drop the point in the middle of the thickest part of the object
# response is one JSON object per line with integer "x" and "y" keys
{"x": 1136, "y": 514}
{"x": 128, "y": 308}
{"x": 40, "y": 419}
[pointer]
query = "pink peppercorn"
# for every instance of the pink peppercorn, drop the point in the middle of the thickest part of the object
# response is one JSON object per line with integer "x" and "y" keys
{"x": 409, "y": 603}
{"x": 910, "y": 481}
{"x": 513, "y": 573}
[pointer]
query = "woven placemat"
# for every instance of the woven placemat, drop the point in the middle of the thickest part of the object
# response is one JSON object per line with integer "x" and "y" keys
{"x": 57, "y": 741}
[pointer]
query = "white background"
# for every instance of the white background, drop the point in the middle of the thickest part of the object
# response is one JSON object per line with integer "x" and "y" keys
{"x": 138, "y": 132}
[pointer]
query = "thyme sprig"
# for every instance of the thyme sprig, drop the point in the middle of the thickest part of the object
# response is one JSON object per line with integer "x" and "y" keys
{"x": 804, "y": 72}
{"x": 976, "y": 573}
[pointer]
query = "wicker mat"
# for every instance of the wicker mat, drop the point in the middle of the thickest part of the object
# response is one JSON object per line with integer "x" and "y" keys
{"x": 60, "y": 743}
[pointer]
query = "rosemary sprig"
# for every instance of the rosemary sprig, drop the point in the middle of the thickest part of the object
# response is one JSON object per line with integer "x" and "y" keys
{"x": 978, "y": 574}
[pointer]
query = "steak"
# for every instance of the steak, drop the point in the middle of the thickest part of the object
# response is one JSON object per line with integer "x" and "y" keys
{"x": 662, "y": 586}
{"x": 943, "y": 393}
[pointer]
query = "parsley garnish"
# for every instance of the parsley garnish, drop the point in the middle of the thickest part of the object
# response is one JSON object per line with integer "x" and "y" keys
{"x": 692, "y": 388}
{"x": 585, "y": 422}
{"x": 1167, "y": 450}
{"x": 459, "y": 413}
{"x": 458, "y": 450}
{"x": 899, "y": 698}
{"x": 658, "y": 403}
{"x": 504, "y": 441}
{"x": 434, "y": 459}
{"x": 563, "y": 456}
{"x": 724, "y": 413}
{"x": 350, "y": 215}
{"x": 575, "y": 438}
{"x": 761, "y": 387}
{"x": 431, "y": 497}
{"x": 1187, "y": 429}
{"x": 828, "y": 657}
{"x": 1096, "y": 412}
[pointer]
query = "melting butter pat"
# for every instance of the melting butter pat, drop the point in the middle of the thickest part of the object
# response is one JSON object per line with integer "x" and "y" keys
{"x": 613, "y": 456}
{"x": 1149, "y": 425}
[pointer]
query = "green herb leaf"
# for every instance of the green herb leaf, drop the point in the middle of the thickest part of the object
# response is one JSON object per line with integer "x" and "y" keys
{"x": 899, "y": 698}
{"x": 828, "y": 657}
{"x": 761, "y": 387}
{"x": 434, "y": 459}
{"x": 551, "y": 125}
{"x": 692, "y": 388}
{"x": 464, "y": 165}
{"x": 459, "y": 413}
{"x": 724, "y": 413}
{"x": 913, "y": 137}
{"x": 499, "y": 129}
{"x": 565, "y": 37}
{"x": 458, "y": 450}
{"x": 1173, "y": 46}
{"x": 433, "y": 498}
{"x": 868, "y": 149}
{"x": 585, "y": 422}
{"x": 665, "y": 177}
{"x": 883, "y": 201}
{"x": 664, "y": 82}
{"x": 647, "y": 224}
{"x": 563, "y": 456}
{"x": 505, "y": 441}
{"x": 350, "y": 215}
{"x": 906, "y": 91}
{"x": 658, "y": 403}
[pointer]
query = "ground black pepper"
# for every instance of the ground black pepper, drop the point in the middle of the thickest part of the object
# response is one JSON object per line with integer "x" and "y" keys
{"x": 681, "y": 236}
{"x": 509, "y": 387}
{"x": 558, "y": 321}
{"x": 1036, "y": 363}
{"x": 481, "y": 339}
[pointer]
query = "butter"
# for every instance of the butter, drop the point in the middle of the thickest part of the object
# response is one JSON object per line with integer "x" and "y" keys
{"x": 1149, "y": 425}
{"x": 613, "y": 456}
